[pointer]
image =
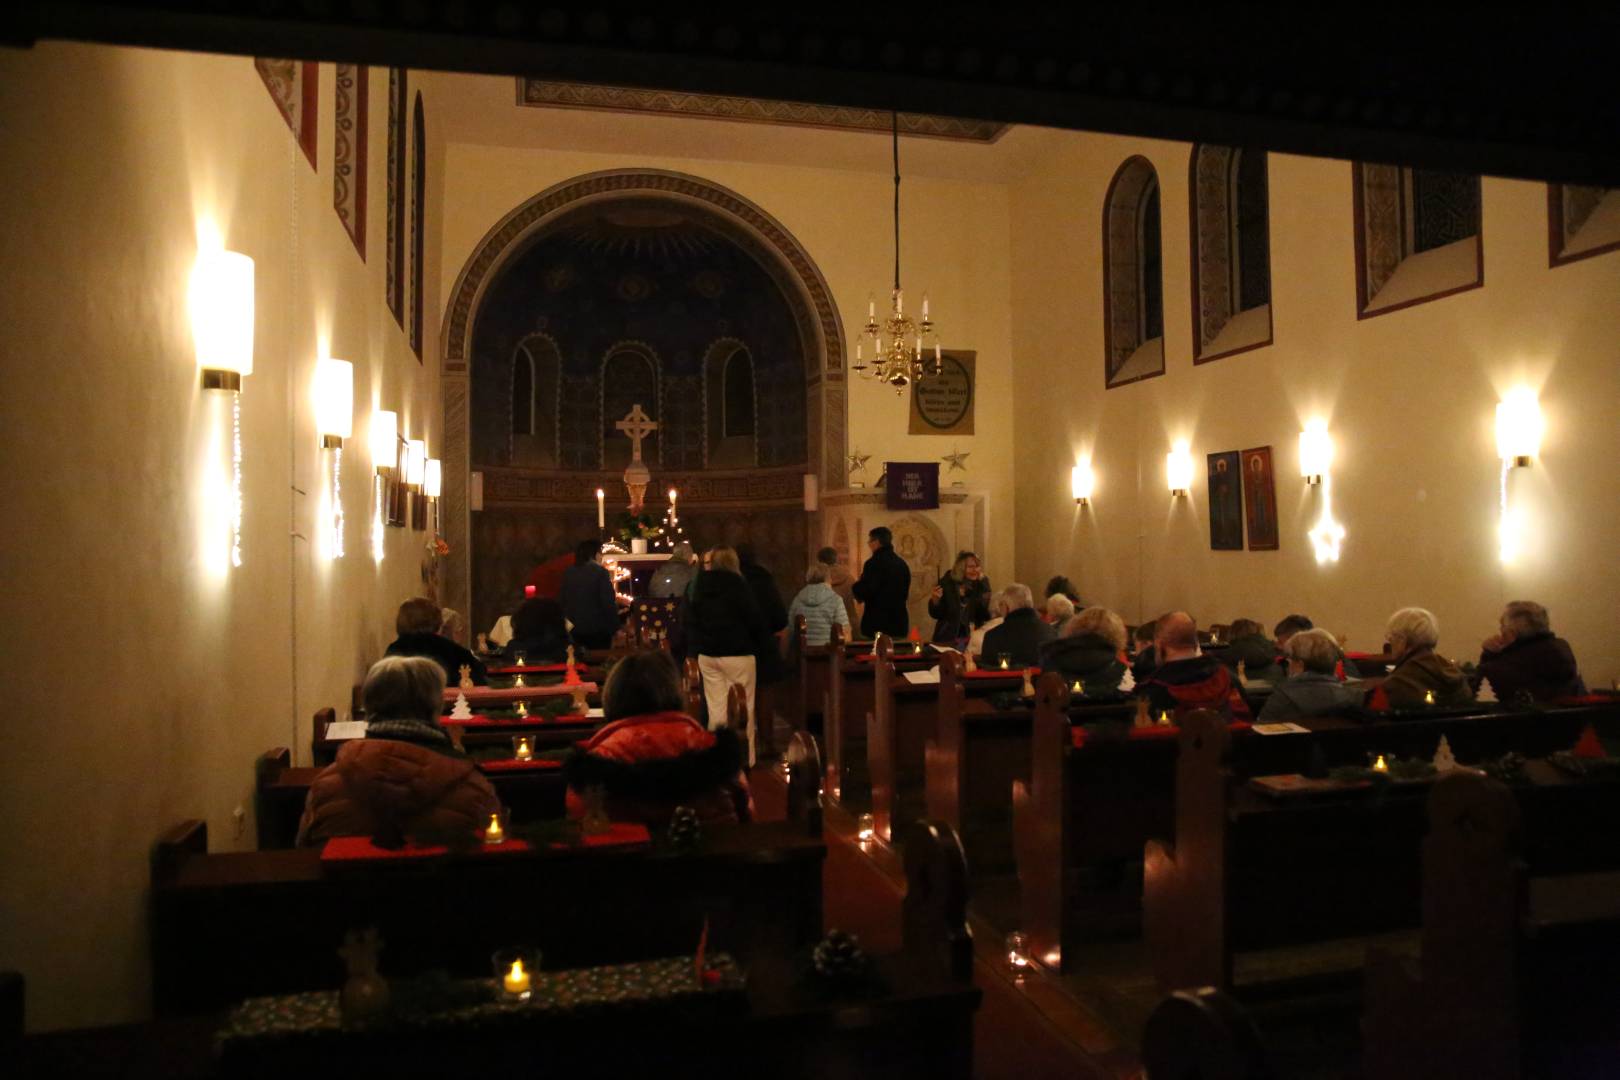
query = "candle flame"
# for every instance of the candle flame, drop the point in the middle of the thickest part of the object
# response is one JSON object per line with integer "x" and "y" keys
{"x": 1428, "y": 697}
{"x": 516, "y": 974}
{"x": 1379, "y": 765}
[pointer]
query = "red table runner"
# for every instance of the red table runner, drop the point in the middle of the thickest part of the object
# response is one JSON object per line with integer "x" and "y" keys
{"x": 514, "y": 765}
{"x": 515, "y": 721}
{"x": 1155, "y": 731}
{"x": 530, "y": 669}
{"x": 997, "y": 673}
{"x": 348, "y": 849}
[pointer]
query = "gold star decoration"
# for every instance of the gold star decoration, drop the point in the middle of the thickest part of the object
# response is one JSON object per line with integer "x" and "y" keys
{"x": 957, "y": 459}
{"x": 858, "y": 460}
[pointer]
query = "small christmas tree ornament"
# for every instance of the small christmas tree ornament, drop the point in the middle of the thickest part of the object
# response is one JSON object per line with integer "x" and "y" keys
{"x": 466, "y": 682}
{"x": 1127, "y": 683}
{"x": 1487, "y": 692}
{"x": 461, "y": 710}
{"x": 1143, "y": 718}
{"x": 1028, "y": 689}
{"x": 839, "y": 958}
{"x": 685, "y": 830}
{"x": 1444, "y": 760}
{"x": 365, "y": 993}
{"x": 1589, "y": 745}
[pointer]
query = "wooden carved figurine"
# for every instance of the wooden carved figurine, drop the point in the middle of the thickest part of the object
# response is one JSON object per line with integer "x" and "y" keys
{"x": 1028, "y": 689}
{"x": 466, "y": 682}
{"x": 1143, "y": 717}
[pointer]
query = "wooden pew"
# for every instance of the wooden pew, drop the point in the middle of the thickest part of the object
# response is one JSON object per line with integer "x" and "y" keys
{"x": 851, "y": 692}
{"x": 814, "y": 665}
{"x": 1203, "y": 1035}
{"x": 278, "y": 800}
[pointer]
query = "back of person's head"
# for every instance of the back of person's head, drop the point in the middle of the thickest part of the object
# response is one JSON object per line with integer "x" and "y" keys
{"x": 745, "y": 554}
{"x": 418, "y": 615}
{"x": 452, "y": 625}
{"x": 1315, "y": 649}
{"x": 1062, "y": 586}
{"x": 404, "y": 688}
{"x": 827, "y": 556}
{"x": 1144, "y": 633}
{"x": 642, "y": 683}
{"x": 882, "y": 535}
{"x": 1416, "y": 627}
{"x": 1016, "y": 596}
{"x": 586, "y": 551}
{"x": 1099, "y": 621}
{"x": 724, "y": 558}
{"x": 1291, "y": 625}
{"x": 817, "y": 574}
{"x": 682, "y": 553}
{"x": 1526, "y": 617}
{"x": 537, "y": 617}
{"x": 1247, "y": 628}
{"x": 1059, "y": 609}
{"x": 1175, "y": 635}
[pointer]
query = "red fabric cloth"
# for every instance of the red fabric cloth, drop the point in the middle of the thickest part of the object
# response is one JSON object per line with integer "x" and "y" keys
{"x": 997, "y": 673}
{"x": 621, "y": 834}
{"x": 514, "y": 765}
{"x": 360, "y": 849}
{"x": 1078, "y": 734}
{"x": 529, "y": 669}
{"x": 1588, "y": 699}
{"x": 1359, "y": 656}
{"x": 547, "y": 577}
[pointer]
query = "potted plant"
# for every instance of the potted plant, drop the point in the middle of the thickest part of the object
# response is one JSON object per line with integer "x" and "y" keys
{"x": 636, "y": 530}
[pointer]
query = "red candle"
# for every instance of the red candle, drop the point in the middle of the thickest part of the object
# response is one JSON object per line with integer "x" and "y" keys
{"x": 528, "y": 590}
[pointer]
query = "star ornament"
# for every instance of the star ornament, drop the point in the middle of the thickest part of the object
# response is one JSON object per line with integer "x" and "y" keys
{"x": 957, "y": 459}
{"x": 858, "y": 460}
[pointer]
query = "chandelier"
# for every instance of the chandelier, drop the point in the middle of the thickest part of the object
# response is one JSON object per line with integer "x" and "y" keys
{"x": 898, "y": 343}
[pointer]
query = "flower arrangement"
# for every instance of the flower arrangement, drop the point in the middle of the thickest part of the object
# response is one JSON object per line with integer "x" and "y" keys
{"x": 638, "y": 527}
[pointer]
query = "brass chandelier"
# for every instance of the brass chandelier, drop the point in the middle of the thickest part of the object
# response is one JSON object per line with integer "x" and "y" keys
{"x": 898, "y": 344}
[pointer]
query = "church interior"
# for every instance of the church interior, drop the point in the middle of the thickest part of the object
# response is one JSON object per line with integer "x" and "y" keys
{"x": 572, "y": 317}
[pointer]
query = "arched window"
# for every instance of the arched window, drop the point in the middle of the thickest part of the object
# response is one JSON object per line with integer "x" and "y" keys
{"x": 1581, "y": 221}
{"x": 1231, "y": 252}
{"x": 394, "y": 268}
{"x": 418, "y": 205}
{"x": 1417, "y": 236}
{"x": 522, "y": 392}
{"x": 731, "y": 404}
{"x": 739, "y": 397}
{"x": 629, "y": 378}
{"x": 536, "y": 374}
{"x": 1133, "y": 281}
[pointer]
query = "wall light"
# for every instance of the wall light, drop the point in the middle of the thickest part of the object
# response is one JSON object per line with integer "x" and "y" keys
{"x": 1082, "y": 481}
{"x": 415, "y": 462}
{"x": 1178, "y": 469}
{"x": 1315, "y": 452}
{"x": 1518, "y": 427}
{"x": 334, "y": 402}
{"x": 384, "y": 440}
{"x": 222, "y": 318}
{"x": 432, "y": 478}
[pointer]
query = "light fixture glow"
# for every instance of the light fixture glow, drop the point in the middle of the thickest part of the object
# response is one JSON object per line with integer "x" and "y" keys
{"x": 377, "y": 519}
{"x": 221, "y": 300}
{"x": 1328, "y": 535}
{"x": 432, "y": 478}
{"x": 337, "y": 502}
{"x": 1519, "y": 426}
{"x": 384, "y": 439}
{"x": 1315, "y": 452}
{"x": 1082, "y": 481}
{"x": 415, "y": 462}
{"x": 1178, "y": 469}
{"x": 334, "y": 401}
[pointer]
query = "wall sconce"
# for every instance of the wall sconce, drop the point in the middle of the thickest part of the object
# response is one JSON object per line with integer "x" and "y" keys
{"x": 415, "y": 462}
{"x": 1315, "y": 452}
{"x": 1082, "y": 481}
{"x": 1518, "y": 427}
{"x": 1178, "y": 469}
{"x": 221, "y": 300}
{"x": 432, "y": 484}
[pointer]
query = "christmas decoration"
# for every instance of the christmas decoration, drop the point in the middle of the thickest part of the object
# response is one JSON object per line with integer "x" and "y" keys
{"x": 840, "y": 959}
{"x": 1444, "y": 761}
{"x": 685, "y": 830}
{"x": 1487, "y": 693}
{"x": 1128, "y": 683}
{"x": 466, "y": 682}
{"x": 461, "y": 710}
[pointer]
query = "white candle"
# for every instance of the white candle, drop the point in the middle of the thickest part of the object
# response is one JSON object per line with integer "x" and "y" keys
{"x": 871, "y": 308}
{"x": 925, "y": 307}
{"x": 601, "y": 509}
{"x": 516, "y": 979}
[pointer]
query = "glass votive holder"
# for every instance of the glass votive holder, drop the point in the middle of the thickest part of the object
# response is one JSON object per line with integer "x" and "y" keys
{"x": 514, "y": 972}
{"x": 1018, "y": 951}
{"x": 523, "y": 710}
{"x": 494, "y": 831}
{"x": 865, "y": 829}
{"x": 1004, "y": 661}
{"x": 519, "y": 681}
{"x": 519, "y": 659}
{"x": 523, "y": 747}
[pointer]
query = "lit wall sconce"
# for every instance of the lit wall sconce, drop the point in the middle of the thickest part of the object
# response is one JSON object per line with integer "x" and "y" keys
{"x": 415, "y": 462}
{"x": 1178, "y": 469}
{"x": 221, "y": 299}
{"x": 1082, "y": 481}
{"x": 432, "y": 484}
{"x": 1315, "y": 452}
{"x": 1518, "y": 427}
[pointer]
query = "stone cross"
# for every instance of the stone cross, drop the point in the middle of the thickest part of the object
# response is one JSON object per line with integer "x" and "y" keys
{"x": 637, "y": 425}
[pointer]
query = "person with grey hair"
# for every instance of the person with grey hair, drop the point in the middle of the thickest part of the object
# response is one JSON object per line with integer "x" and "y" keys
{"x": 1526, "y": 659}
{"x": 1021, "y": 633}
{"x": 671, "y": 579}
{"x": 405, "y": 776}
{"x": 1421, "y": 676}
{"x": 1091, "y": 649}
{"x": 821, "y": 607}
{"x": 1312, "y": 688}
{"x": 1059, "y": 610}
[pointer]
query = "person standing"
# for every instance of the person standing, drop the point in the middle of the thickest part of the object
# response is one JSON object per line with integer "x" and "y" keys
{"x": 670, "y": 580}
{"x": 884, "y": 588}
{"x": 588, "y": 599}
{"x": 726, "y": 630}
{"x": 821, "y": 607}
{"x": 840, "y": 580}
{"x": 961, "y": 601}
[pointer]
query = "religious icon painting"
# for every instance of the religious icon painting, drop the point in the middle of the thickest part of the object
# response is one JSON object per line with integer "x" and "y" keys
{"x": 1260, "y": 499}
{"x": 1225, "y": 502}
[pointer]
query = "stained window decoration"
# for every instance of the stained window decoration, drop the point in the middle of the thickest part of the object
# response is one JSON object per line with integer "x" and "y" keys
{"x": 395, "y": 259}
{"x": 1418, "y": 236}
{"x": 294, "y": 86}
{"x": 1231, "y": 247}
{"x": 1582, "y": 221}
{"x": 1133, "y": 278}
{"x": 349, "y": 151}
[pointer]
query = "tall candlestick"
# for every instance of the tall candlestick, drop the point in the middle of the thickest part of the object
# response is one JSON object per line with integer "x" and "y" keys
{"x": 601, "y": 509}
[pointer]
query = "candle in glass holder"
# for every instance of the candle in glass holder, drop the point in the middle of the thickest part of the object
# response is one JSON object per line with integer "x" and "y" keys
{"x": 1380, "y": 765}
{"x": 866, "y": 829}
{"x": 523, "y": 709}
{"x": 519, "y": 658}
{"x": 493, "y": 833}
{"x": 1428, "y": 697}
{"x": 1078, "y": 688}
{"x": 515, "y": 982}
{"x": 1017, "y": 950}
{"x": 522, "y": 747}
{"x": 1004, "y": 660}
{"x": 1164, "y": 718}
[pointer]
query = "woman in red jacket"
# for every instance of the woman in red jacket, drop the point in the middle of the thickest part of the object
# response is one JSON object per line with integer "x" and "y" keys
{"x": 652, "y": 757}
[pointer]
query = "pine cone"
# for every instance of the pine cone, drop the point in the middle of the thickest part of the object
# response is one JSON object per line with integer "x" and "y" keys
{"x": 685, "y": 830}
{"x": 840, "y": 958}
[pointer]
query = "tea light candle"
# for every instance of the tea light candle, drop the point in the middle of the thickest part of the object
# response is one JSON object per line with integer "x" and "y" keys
{"x": 1006, "y": 662}
{"x": 523, "y": 709}
{"x": 519, "y": 681}
{"x": 1428, "y": 697}
{"x": 519, "y": 659}
{"x": 493, "y": 833}
{"x": 1078, "y": 687}
{"x": 866, "y": 829}
{"x": 1164, "y": 718}
{"x": 516, "y": 980}
{"x": 1017, "y": 950}
{"x": 522, "y": 748}
{"x": 1380, "y": 765}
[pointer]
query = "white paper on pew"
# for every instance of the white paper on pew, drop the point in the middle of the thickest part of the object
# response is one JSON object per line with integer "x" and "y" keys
{"x": 940, "y": 648}
{"x": 595, "y": 714}
{"x": 929, "y": 676}
{"x": 1280, "y": 729}
{"x": 346, "y": 729}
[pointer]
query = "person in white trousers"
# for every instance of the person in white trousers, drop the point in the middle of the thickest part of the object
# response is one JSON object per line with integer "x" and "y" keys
{"x": 726, "y": 630}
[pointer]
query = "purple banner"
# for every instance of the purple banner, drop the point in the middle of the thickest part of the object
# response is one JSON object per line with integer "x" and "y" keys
{"x": 913, "y": 485}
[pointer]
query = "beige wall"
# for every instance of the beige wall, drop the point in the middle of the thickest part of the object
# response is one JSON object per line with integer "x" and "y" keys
{"x": 148, "y": 677}
{"x": 1409, "y": 397}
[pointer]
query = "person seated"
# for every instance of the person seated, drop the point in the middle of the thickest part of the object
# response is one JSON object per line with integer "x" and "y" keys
{"x": 1090, "y": 650}
{"x": 1289, "y": 625}
{"x": 821, "y": 607}
{"x": 1257, "y": 652}
{"x": 539, "y": 632}
{"x": 1059, "y": 610}
{"x": 1143, "y": 661}
{"x": 417, "y": 625}
{"x": 406, "y": 776}
{"x": 1419, "y": 671}
{"x": 588, "y": 599}
{"x": 1186, "y": 679}
{"x": 670, "y": 580}
{"x": 1021, "y": 633}
{"x": 998, "y": 614}
{"x": 652, "y": 757}
{"x": 960, "y": 601}
{"x": 1525, "y": 658}
{"x": 1312, "y": 688}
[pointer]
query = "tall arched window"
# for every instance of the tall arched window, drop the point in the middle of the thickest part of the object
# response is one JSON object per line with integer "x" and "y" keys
{"x": 1133, "y": 281}
{"x": 739, "y": 399}
{"x": 418, "y": 206}
{"x": 1417, "y": 236}
{"x": 731, "y": 404}
{"x": 1581, "y": 221}
{"x": 1231, "y": 248}
{"x": 536, "y": 373}
{"x": 394, "y": 268}
{"x": 629, "y": 378}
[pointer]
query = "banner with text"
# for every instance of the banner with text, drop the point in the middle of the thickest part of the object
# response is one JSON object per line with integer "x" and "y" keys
{"x": 913, "y": 485}
{"x": 943, "y": 404}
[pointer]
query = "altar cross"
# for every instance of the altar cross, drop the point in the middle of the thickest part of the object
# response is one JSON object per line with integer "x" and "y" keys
{"x": 637, "y": 425}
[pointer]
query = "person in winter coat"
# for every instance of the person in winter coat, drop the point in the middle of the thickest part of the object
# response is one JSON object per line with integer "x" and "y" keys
{"x": 417, "y": 625}
{"x": 1089, "y": 651}
{"x": 1312, "y": 688}
{"x": 725, "y": 629}
{"x": 405, "y": 776}
{"x": 769, "y": 598}
{"x": 1186, "y": 679}
{"x": 588, "y": 598}
{"x": 839, "y": 579}
{"x": 538, "y": 632}
{"x": 1257, "y": 653}
{"x": 1526, "y": 658}
{"x": 1021, "y": 633}
{"x": 1289, "y": 625}
{"x": 651, "y": 757}
{"x": 1419, "y": 671}
{"x": 671, "y": 579}
{"x": 821, "y": 607}
{"x": 885, "y": 588}
{"x": 961, "y": 601}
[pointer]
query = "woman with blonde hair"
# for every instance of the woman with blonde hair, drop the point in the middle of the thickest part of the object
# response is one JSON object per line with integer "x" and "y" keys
{"x": 1091, "y": 650}
{"x": 727, "y": 631}
{"x": 961, "y": 600}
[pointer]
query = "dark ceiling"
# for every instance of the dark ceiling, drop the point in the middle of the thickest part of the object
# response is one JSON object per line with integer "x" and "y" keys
{"x": 1527, "y": 91}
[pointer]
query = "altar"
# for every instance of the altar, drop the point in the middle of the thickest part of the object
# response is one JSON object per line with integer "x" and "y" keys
{"x": 641, "y": 568}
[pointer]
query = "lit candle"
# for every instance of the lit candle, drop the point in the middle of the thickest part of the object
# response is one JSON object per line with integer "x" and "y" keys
{"x": 523, "y": 707}
{"x": 518, "y": 658}
{"x": 601, "y": 509}
{"x": 1078, "y": 687}
{"x": 925, "y": 307}
{"x": 519, "y": 681}
{"x": 516, "y": 979}
{"x": 1164, "y": 718}
{"x": 525, "y": 748}
{"x": 493, "y": 833}
{"x": 866, "y": 829}
{"x": 528, "y": 590}
{"x": 871, "y": 308}
{"x": 1379, "y": 765}
{"x": 1006, "y": 662}
{"x": 1428, "y": 697}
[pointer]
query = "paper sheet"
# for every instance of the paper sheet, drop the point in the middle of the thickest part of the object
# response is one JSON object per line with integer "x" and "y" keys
{"x": 346, "y": 729}
{"x": 929, "y": 676}
{"x": 1280, "y": 729}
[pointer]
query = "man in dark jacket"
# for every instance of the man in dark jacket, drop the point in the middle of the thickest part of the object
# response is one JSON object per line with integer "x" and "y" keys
{"x": 588, "y": 599}
{"x": 771, "y": 608}
{"x": 1021, "y": 633}
{"x": 1257, "y": 653}
{"x": 884, "y": 588}
{"x": 1185, "y": 678}
{"x": 417, "y": 625}
{"x": 1527, "y": 658}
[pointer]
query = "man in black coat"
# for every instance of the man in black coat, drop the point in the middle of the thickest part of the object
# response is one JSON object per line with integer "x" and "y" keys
{"x": 1021, "y": 633}
{"x": 1526, "y": 659}
{"x": 769, "y": 599}
{"x": 588, "y": 599}
{"x": 884, "y": 588}
{"x": 417, "y": 625}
